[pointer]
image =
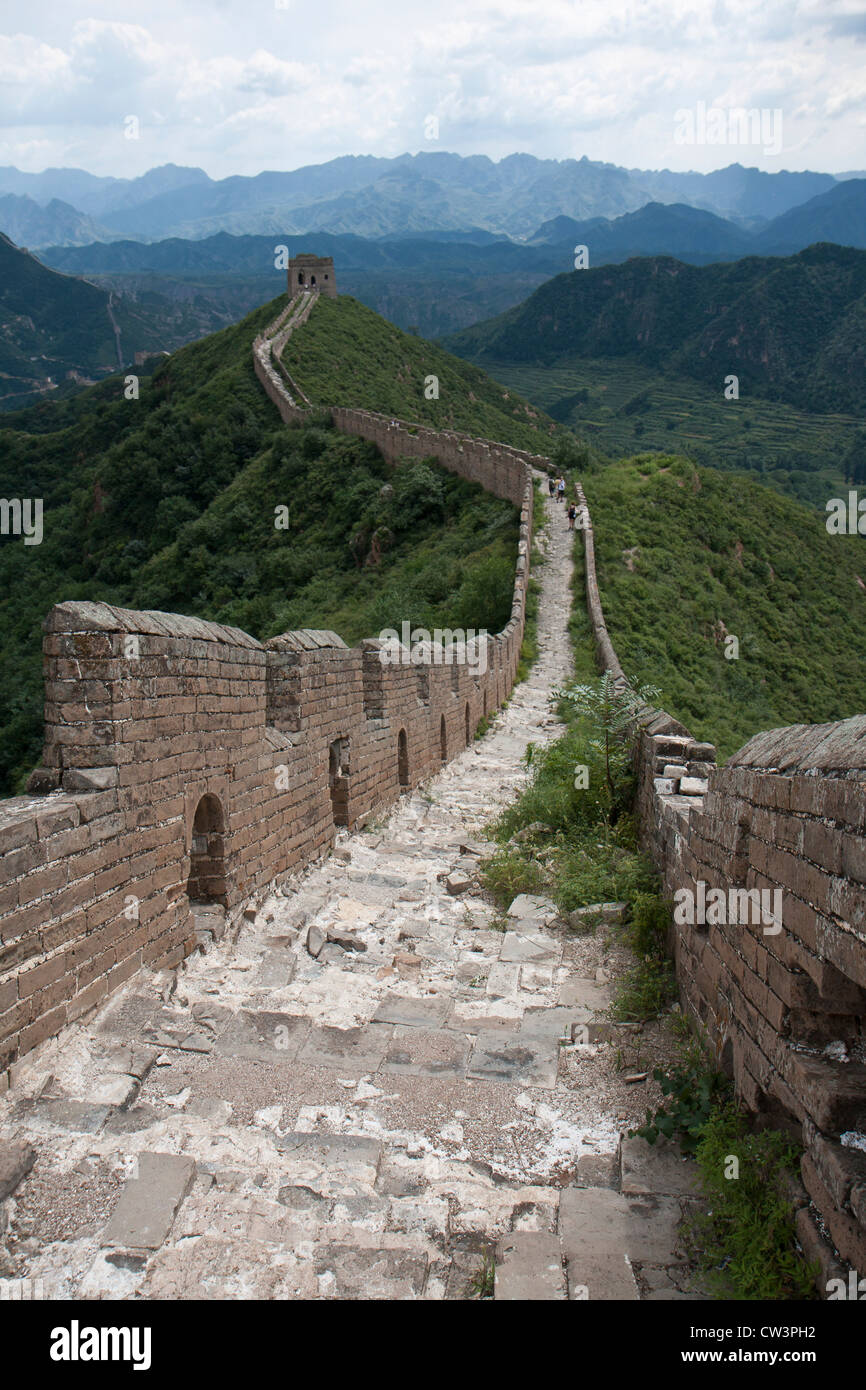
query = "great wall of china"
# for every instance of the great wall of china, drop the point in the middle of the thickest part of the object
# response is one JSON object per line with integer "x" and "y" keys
{"x": 187, "y": 761}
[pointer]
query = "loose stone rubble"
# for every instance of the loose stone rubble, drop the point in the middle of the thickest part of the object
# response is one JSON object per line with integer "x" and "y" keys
{"x": 364, "y": 1091}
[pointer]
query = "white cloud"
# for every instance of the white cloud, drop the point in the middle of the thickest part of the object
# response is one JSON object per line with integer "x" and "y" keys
{"x": 237, "y": 87}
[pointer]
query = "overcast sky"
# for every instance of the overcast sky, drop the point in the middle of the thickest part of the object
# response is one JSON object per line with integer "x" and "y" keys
{"x": 237, "y": 86}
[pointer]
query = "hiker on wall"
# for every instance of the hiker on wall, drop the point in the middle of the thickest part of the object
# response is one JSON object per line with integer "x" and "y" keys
{"x": 551, "y": 486}
{"x": 572, "y": 513}
{"x": 560, "y": 490}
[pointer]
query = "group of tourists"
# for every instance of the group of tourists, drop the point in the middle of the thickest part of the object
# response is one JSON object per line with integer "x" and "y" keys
{"x": 556, "y": 488}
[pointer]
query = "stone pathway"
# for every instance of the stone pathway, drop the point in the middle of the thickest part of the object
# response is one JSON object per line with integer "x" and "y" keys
{"x": 373, "y": 1121}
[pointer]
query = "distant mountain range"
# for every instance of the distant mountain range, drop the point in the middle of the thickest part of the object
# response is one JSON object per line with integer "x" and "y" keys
{"x": 443, "y": 281}
{"x": 373, "y": 197}
{"x": 837, "y": 215}
{"x": 790, "y": 329}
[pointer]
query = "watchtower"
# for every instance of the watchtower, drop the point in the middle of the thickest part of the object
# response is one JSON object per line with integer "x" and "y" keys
{"x": 312, "y": 273}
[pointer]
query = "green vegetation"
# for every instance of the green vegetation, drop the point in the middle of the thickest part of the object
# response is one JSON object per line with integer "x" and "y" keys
{"x": 609, "y": 709}
{"x": 170, "y": 502}
{"x": 790, "y": 328}
{"x": 688, "y": 557}
{"x": 571, "y": 833}
{"x": 649, "y": 983}
{"x": 483, "y": 1281}
{"x": 694, "y": 1093}
{"x": 744, "y": 1240}
{"x": 347, "y": 355}
{"x": 624, "y": 407}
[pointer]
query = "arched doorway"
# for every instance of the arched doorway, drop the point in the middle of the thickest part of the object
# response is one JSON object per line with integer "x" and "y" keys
{"x": 443, "y": 740}
{"x": 402, "y": 759}
{"x": 207, "y": 869}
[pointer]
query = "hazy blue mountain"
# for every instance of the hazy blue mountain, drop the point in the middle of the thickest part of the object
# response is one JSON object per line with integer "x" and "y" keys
{"x": 671, "y": 229}
{"x": 839, "y": 215}
{"x": 27, "y": 223}
{"x": 736, "y": 192}
{"x": 430, "y": 191}
{"x": 58, "y": 331}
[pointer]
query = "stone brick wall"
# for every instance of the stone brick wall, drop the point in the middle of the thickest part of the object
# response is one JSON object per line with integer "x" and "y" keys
{"x": 181, "y": 753}
{"x": 782, "y": 1002}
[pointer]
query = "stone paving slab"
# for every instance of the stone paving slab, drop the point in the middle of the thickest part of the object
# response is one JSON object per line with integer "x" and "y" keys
{"x": 352, "y": 1049}
{"x": 276, "y": 970}
{"x": 430, "y": 1012}
{"x": 503, "y": 981}
{"x": 653, "y": 1230}
{"x": 81, "y": 1116}
{"x": 147, "y": 1020}
{"x": 330, "y": 1164}
{"x": 520, "y": 1060}
{"x": 264, "y": 1036}
{"x": 16, "y": 1160}
{"x": 149, "y": 1201}
{"x": 597, "y": 1170}
{"x": 593, "y": 1231}
{"x": 529, "y": 1268}
{"x": 426, "y": 1052}
{"x": 554, "y": 1023}
{"x": 658, "y": 1168}
{"x": 530, "y": 948}
{"x": 534, "y": 907}
{"x": 347, "y": 1271}
{"x": 587, "y": 994}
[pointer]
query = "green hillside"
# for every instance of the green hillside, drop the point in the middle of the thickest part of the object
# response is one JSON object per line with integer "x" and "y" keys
{"x": 687, "y": 555}
{"x": 169, "y": 502}
{"x": 50, "y": 325}
{"x": 623, "y": 408}
{"x": 58, "y": 331}
{"x": 790, "y": 328}
{"x": 347, "y": 355}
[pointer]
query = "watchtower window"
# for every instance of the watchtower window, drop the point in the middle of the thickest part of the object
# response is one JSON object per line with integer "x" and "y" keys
{"x": 207, "y": 872}
{"x": 338, "y": 779}
{"x": 402, "y": 759}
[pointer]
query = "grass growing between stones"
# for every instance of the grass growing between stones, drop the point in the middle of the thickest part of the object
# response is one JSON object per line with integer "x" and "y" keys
{"x": 650, "y": 984}
{"x": 744, "y": 1240}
